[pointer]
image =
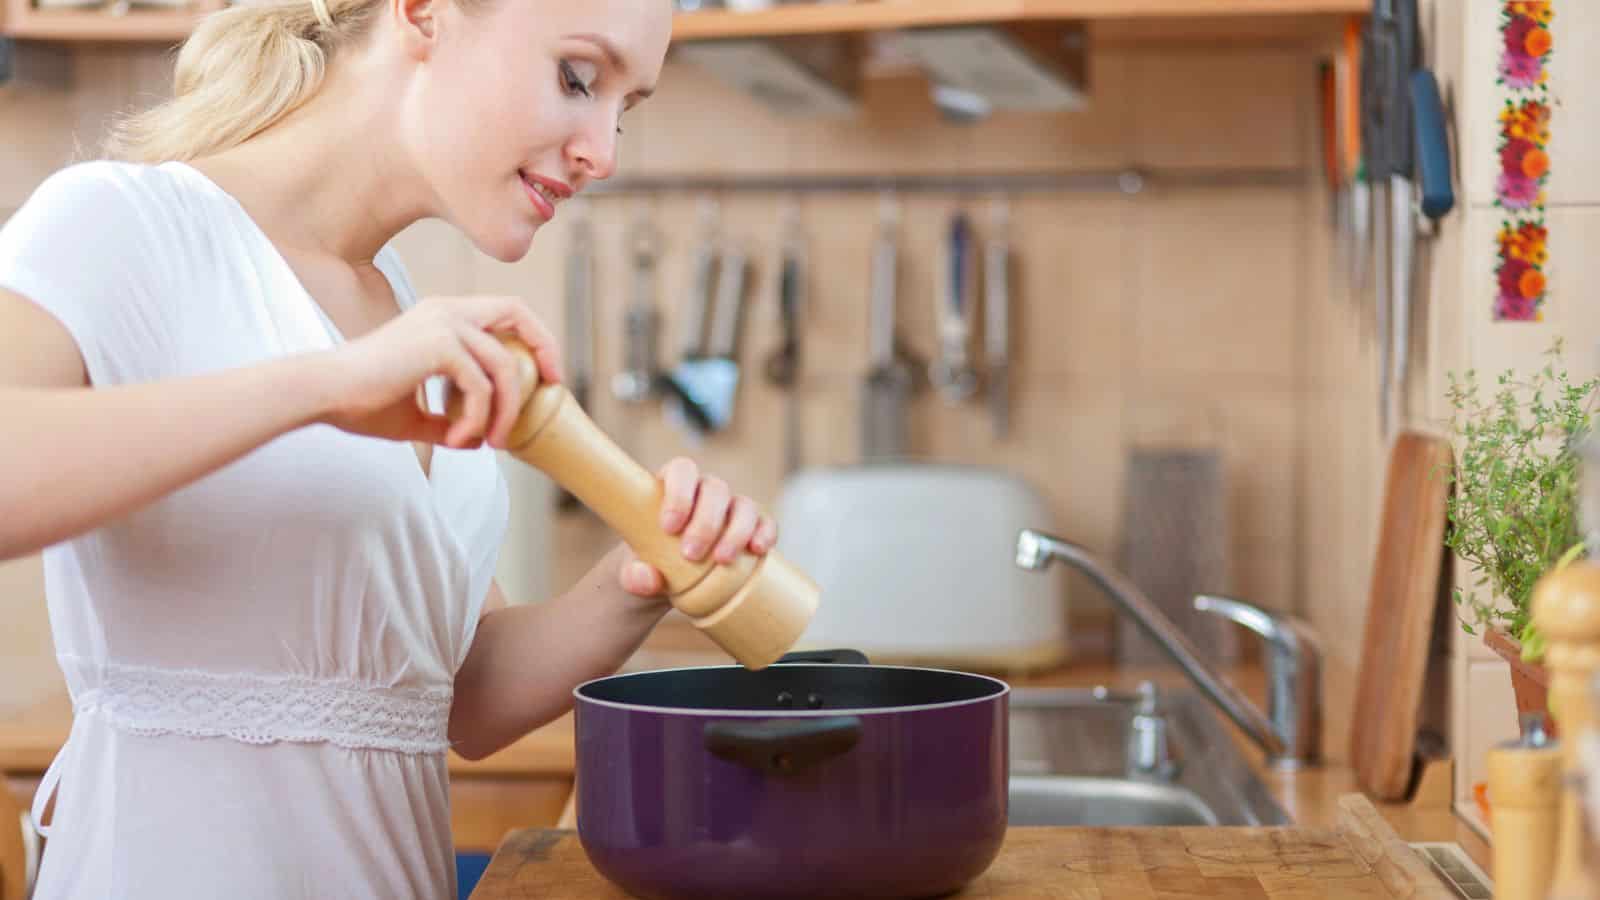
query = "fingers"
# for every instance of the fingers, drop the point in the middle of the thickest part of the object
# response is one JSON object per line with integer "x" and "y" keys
{"x": 502, "y": 314}
{"x": 501, "y": 368}
{"x": 743, "y": 517}
{"x": 546, "y": 352}
{"x": 475, "y": 389}
{"x": 680, "y": 479}
{"x": 706, "y": 523}
{"x": 713, "y": 521}
{"x": 766, "y": 536}
{"x": 641, "y": 579}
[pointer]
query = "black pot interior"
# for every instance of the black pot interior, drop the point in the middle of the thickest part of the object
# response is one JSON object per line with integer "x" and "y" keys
{"x": 797, "y": 686}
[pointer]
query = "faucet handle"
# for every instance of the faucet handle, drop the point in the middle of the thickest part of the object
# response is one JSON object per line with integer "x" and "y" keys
{"x": 1294, "y": 670}
{"x": 1281, "y": 631}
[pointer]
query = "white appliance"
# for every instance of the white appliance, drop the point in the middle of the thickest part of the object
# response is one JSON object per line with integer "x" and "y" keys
{"x": 916, "y": 565}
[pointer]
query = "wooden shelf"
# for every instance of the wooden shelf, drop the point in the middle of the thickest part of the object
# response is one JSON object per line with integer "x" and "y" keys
{"x": 22, "y": 20}
{"x": 147, "y": 24}
{"x": 886, "y": 15}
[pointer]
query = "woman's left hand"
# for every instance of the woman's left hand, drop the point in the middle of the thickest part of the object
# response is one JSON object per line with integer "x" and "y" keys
{"x": 710, "y": 519}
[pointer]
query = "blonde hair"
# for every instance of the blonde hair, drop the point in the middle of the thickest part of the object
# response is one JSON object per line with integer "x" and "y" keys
{"x": 243, "y": 69}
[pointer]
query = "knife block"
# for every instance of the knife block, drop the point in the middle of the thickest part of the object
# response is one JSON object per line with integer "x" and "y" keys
{"x": 755, "y": 608}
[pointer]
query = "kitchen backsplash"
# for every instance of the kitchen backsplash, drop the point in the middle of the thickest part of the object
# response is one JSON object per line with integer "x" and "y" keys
{"x": 1185, "y": 314}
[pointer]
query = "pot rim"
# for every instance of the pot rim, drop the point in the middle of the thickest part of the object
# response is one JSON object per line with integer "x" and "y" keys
{"x": 577, "y": 693}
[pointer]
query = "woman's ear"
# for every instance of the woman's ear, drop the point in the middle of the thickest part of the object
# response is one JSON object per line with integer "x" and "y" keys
{"x": 418, "y": 22}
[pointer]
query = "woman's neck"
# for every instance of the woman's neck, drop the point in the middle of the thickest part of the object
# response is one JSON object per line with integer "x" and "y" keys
{"x": 323, "y": 180}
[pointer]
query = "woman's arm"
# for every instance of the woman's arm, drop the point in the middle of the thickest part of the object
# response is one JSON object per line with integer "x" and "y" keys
{"x": 74, "y": 457}
{"x": 525, "y": 660}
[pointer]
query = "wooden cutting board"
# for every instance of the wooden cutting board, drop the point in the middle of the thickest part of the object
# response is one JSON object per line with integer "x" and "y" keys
{"x": 1404, "y": 596}
{"x": 1361, "y": 857}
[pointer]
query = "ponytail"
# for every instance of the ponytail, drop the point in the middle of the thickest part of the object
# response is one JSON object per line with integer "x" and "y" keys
{"x": 243, "y": 69}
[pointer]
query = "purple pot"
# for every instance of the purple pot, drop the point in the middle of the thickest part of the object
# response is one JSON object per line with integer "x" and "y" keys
{"x": 806, "y": 779}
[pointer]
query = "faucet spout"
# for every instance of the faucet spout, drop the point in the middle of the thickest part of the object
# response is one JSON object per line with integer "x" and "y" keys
{"x": 1035, "y": 551}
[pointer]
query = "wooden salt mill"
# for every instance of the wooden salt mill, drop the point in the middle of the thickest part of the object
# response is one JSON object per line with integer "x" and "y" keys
{"x": 1566, "y": 610}
{"x": 755, "y": 608}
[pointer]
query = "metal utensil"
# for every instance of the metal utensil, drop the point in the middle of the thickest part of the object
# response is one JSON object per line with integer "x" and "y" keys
{"x": 952, "y": 370}
{"x": 639, "y": 379}
{"x": 783, "y": 365}
{"x": 997, "y": 319}
{"x": 716, "y": 385}
{"x": 888, "y": 383}
{"x": 689, "y": 380}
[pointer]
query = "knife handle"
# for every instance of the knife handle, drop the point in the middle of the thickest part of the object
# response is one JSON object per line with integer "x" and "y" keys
{"x": 1433, "y": 145}
{"x": 754, "y": 608}
{"x": 1402, "y": 62}
{"x": 1374, "y": 134}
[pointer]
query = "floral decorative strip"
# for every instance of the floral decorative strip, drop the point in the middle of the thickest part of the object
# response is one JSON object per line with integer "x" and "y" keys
{"x": 1524, "y": 142}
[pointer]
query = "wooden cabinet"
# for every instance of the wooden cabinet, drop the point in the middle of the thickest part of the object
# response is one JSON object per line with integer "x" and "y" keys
{"x": 483, "y": 809}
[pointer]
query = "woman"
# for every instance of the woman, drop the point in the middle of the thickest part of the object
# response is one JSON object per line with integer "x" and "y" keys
{"x": 269, "y": 572}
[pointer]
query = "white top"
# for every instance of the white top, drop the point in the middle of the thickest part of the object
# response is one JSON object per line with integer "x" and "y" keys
{"x": 261, "y": 662}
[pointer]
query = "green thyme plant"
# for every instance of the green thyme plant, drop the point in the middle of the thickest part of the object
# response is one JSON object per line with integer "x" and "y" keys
{"x": 1513, "y": 514}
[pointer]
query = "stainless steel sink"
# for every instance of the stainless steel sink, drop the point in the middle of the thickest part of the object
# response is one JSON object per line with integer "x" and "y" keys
{"x": 1096, "y": 757}
{"x": 1104, "y": 802}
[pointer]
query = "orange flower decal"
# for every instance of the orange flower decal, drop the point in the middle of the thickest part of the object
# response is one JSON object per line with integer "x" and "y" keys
{"x": 1537, "y": 43}
{"x": 1531, "y": 284}
{"x": 1536, "y": 163}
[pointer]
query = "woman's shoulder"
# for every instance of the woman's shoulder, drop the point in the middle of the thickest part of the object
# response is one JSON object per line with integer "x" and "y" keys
{"x": 107, "y": 180}
{"x": 115, "y": 195}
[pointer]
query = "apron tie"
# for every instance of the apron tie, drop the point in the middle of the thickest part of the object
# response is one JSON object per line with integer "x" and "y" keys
{"x": 52, "y": 775}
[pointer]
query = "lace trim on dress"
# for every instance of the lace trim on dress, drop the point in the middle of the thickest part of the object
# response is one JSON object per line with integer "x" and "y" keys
{"x": 263, "y": 709}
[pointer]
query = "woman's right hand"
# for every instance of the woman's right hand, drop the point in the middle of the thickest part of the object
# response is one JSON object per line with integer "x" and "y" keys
{"x": 379, "y": 376}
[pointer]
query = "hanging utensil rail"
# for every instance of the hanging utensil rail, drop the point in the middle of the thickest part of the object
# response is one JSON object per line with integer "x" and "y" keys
{"x": 1127, "y": 181}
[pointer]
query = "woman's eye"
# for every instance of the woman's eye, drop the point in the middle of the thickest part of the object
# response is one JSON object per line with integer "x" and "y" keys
{"x": 571, "y": 82}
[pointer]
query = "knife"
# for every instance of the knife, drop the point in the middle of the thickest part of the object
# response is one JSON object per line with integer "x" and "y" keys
{"x": 1357, "y": 201}
{"x": 1401, "y": 62}
{"x": 1375, "y": 150}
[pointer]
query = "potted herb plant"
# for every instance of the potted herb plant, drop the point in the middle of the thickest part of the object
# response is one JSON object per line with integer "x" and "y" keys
{"x": 1514, "y": 513}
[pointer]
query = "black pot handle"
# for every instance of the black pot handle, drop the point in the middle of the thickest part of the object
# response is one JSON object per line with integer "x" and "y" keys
{"x": 840, "y": 656}
{"x": 784, "y": 746}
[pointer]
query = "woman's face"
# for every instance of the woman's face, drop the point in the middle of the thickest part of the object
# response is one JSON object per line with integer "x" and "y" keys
{"x": 517, "y": 105}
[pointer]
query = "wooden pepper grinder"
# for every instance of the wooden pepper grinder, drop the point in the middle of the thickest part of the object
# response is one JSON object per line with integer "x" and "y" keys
{"x": 1566, "y": 610}
{"x": 1525, "y": 792}
{"x": 755, "y": 608}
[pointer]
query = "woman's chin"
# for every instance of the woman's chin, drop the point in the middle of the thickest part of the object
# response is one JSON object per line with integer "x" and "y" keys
{"x": 507, "y": 244}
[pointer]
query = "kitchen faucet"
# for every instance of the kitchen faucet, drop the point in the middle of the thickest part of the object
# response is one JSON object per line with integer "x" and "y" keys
{"x": 1291, "y": 736}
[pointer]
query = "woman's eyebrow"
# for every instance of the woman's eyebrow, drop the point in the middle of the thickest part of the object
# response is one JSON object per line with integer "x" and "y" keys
{"x": 613, "y": 56}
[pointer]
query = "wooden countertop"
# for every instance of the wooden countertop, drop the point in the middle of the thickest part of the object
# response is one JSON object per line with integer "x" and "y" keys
{"x": 1359, "y": 856}
{"x": 29, "y": 742}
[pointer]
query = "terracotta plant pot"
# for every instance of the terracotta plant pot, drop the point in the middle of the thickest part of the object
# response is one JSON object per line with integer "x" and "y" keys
{"x": 1529, "y": 681}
